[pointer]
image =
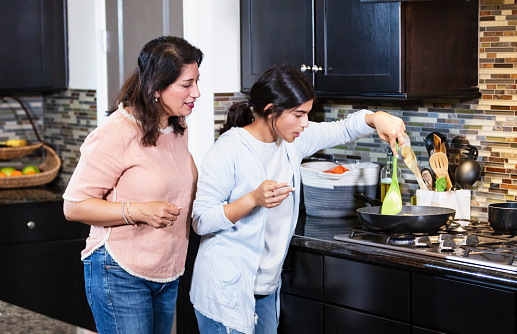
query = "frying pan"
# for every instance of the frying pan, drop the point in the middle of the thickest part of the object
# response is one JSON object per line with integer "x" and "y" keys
{"x": 412, "y": 219}
{"x": 503, "y": 217}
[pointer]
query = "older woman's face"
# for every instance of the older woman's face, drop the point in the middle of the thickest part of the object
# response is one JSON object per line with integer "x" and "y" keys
{"x": 179, "y": 97}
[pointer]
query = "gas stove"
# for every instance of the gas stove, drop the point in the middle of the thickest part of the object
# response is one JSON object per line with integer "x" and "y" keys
{"x": 471, "y": 243}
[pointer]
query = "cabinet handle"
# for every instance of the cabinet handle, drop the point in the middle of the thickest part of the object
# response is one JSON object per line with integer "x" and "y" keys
{"x": 305, "y": 68}
{"x": 316, "y": 68}
{"x": 31, "y": 225}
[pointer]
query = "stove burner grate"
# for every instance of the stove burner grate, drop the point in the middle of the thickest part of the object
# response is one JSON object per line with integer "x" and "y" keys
{"x": 505, "y": 249}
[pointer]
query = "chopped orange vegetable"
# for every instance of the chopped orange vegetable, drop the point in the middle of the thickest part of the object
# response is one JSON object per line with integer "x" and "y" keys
{"x": 336, "y": 170}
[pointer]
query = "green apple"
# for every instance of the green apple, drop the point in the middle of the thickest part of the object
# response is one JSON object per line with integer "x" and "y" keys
{"x": 7, "y": 170}
{"x": 30, "y": 168}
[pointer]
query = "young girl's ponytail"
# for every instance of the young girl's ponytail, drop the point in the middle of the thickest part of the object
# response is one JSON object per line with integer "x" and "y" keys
{"x": 239, "y": 114}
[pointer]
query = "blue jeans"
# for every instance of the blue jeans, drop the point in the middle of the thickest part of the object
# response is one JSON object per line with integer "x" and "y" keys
{"x": 267, "y": 322}
{"x": 124, "y": 304}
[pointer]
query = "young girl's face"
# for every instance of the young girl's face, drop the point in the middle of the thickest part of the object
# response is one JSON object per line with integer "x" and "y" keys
{"x": 292, "y": 122}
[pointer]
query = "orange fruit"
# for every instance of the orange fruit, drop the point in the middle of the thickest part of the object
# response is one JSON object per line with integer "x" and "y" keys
{"x": 31, "y": 172}
{"x": 16, "y": 173}
{"x": 2, "y": 175}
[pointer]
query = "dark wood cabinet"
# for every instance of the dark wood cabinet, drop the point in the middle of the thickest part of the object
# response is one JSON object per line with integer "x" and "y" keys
{"x": 392, "y": 50}
{"x": 40, "y": 260}
{"x": 369, "y": 298}
{"x": 300, "y": 315}
{"x": 274, "y": 32}
{"x": 374, "y": 289}
{"x": 460, "y": 307}
{"x": 340, "y": 320}
{"x": 34, "y": 53}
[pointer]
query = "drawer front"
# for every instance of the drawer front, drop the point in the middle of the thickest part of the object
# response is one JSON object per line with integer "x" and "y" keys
{"x": 340, "y": 320}
{"x": 302, "y": 274}
{"x": 36, "y": 222}
{"x": 462, "y": 308}
{"x": 378, "y": 290}
{"x": 300, "y": 315}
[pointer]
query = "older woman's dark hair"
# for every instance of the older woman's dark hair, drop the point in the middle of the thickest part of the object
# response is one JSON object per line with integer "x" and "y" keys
{"x": 282, "y": 85}
{"x": 160, "y": 63}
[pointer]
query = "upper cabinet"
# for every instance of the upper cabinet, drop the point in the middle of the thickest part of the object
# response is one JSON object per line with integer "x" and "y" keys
{"x": 358, "y": 48}
{"x": 34, "y": 54}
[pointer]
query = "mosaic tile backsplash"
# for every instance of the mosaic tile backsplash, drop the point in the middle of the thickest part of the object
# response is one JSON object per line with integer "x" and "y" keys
{"x": 489, "y": 123}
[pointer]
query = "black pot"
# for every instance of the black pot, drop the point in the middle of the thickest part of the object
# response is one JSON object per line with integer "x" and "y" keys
{"x": 503, "y": 217}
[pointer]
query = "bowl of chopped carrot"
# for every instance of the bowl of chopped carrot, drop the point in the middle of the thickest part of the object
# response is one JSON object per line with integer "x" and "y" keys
{"x": 328, "y": 187}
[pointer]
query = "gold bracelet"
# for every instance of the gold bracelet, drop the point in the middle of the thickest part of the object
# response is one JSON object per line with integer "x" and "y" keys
{"x": 129, "y": 215}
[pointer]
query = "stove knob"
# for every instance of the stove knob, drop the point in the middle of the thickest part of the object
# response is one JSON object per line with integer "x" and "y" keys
{"x": 423, "y": 242}
{"x": 470, "y": 240}
{"x": 442, "y": 237}
{"x": 447, "y": 245}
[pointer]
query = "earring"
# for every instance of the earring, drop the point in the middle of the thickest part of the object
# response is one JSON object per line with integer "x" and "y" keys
{"x": 156, "y": 99}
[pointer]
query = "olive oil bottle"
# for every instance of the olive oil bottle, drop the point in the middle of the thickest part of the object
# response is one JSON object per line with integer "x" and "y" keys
{"x": 387, "y": 173}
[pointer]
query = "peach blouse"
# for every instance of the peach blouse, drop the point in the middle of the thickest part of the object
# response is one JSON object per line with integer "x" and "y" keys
{"x": 114, "y": 166}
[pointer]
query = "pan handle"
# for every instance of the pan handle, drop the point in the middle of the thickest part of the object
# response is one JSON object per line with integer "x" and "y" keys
{"x": 369, "y": 200}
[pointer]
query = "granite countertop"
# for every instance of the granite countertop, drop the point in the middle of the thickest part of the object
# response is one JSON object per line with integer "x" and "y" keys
{"x": 17, "y": 320}
{"x": 317, "y": 234}
{"x": 46, "y": 193}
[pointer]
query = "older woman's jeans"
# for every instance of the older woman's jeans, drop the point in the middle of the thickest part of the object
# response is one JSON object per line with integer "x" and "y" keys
{"x": 124, "y": 304}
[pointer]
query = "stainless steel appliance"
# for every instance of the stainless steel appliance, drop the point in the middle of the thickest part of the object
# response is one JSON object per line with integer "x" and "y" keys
{"x": 472, "y": 243}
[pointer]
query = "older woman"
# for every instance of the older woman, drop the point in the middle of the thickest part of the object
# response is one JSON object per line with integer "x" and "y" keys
{"x": 134, "y": 184}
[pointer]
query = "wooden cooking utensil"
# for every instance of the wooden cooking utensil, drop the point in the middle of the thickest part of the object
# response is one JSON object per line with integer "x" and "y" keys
{"x": 440, "y": 165}
{"x": 437, "y": 143}
{"x": 410, "y": 160}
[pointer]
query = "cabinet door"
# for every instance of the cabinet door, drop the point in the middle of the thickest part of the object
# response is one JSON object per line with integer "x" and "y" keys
{"x": 274, "y": 31}
{"x": 48, "y": 278}
{"x": 34, "y": 52}
{"x": 302, "y": 274}
{"x": 460, "y": 307}
{"x": 357, "y": 46}
{"x": 343, "y": 321}
{"x": 38, "y": 222}
{"x": 374, "y": 289}
{"x": 300, "y": 315}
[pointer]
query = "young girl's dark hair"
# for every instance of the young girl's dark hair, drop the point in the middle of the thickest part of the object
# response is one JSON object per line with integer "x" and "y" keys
{"x": 160, "y": 63}
{"x": 282, "y": 85}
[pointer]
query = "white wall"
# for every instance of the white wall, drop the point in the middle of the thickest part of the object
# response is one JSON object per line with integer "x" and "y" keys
{"x": 226, "y": 40}
{"x": 213, "y": 26}
{"x": 81, "y": 44}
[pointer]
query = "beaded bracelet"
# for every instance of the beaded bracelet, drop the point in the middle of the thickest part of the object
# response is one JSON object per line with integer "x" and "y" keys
{"x": 129, "y": 215}
{"x": 124, "y": 214}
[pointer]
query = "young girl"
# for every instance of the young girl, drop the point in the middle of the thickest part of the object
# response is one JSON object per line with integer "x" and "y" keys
{"x": 246, "y": 206}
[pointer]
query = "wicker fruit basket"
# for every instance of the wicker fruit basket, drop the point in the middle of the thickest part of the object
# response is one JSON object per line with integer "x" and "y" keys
{"x": 49, "y": 169}
{"x": 8, "y": 153}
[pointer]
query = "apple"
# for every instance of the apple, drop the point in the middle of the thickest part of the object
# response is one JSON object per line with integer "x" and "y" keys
{"x": 30, "y": 170}
{"x": 7, "y": 170}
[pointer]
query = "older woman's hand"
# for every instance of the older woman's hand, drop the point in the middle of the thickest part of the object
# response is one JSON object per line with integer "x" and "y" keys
{"x": 389, "y": 128}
